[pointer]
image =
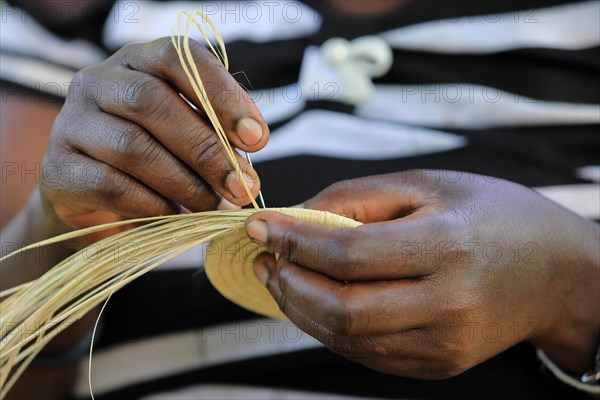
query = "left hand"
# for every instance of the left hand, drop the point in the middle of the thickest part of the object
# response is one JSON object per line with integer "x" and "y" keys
{"x": 444, "y": 274}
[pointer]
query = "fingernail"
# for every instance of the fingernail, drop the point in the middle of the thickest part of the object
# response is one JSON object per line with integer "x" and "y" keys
{"x": 261, "y": 271}
{"x": 249, "y": 131}
{"x": 235, "y": 185}
{"x": 257, "y": 230}
{"x": 301, "y": 205}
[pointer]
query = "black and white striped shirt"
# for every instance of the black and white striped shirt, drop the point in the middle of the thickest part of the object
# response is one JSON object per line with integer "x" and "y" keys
{"x": 503, "y": 88}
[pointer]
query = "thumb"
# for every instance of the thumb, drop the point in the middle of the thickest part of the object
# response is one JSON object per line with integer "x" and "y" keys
{"x": 370, "y": 199}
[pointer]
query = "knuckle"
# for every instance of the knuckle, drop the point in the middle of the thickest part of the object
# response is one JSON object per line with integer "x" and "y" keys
{"x": 316, "y": 330}
{"x": 85, "y": 87}
{"x": 202, "y": 54}
{"x": 282, "y": 303}
{"x": 130, "y": 48}
{"x": 351, "y": 256}
{"x": 111, "y": 192}
{"x": 150, "y": 151}
{"x": 62, "y": 130}
{"x": 340, "y": 344}
{"x": 337, "y": 317}
{"x": 456, "y": 306}
{"x": 289, "y": 245}
{"x": 199, "y": 49}
{"x": 335, "y": 193}
{"x": 156, "y": 206}
{"x": 356, "y": 348}
{"x": 205, "y": 152}
{"x": 109, "y": 188}
{"x": 196, "y": 189}
{"x": 83, "y": 75}
{"x": 342, "y": 186}
{"x": 350, "y": 271}
{"x": 165, "y": 51}
{"x": 123, "y": 142}
{"x": 158, "y": 111}
{"x": 144, "y": 96}
{"x": 343, "y": 253}
{"x": 339, "y": 190}
{"x": 284, "y": 278}
{"x": 166, "y": 55}
{"x": 133, "y": 145}
{"x": 344, "y": 314}
{"x": 51, "y": 181}
{"x": 442, "y": 228}
{"x": 128, "y": 53}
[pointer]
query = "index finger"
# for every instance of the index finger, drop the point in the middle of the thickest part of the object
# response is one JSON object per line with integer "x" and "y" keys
{"x": 387, "y": 250}
{"x": 151, "y": 78}
{"x": 239, "y": 116}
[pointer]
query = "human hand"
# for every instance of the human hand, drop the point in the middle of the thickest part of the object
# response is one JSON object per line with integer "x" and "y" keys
{"x": 449, "y": 270}
{"x": 127, "y": 145}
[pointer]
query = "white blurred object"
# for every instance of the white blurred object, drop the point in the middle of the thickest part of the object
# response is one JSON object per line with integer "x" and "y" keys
{"x": 358, "y": 62}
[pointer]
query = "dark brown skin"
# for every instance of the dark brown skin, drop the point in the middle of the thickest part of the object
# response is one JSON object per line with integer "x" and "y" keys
{"x": 125, "y": 145}
{"x": 444, "y": 274}
{"x": 154, "y": 156}
{"x": 411, "y": 314}
{"x": 132, "y": 147}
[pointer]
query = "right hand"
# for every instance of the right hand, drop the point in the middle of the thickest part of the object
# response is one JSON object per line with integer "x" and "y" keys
{"x": 126, "y": 144}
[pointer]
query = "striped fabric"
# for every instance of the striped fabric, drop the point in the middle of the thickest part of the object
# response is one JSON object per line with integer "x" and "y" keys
{"x": 498, "y": 87}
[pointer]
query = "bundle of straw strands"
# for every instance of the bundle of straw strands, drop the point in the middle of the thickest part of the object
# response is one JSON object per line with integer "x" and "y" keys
{"x": 37, "y": 311}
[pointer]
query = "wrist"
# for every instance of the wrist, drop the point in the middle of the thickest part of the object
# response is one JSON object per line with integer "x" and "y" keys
{"x": 32, "y": 224}
{"x": 572, "y": 337}
{"x": 50, "y": 223}
{"x": 588, "y": 382}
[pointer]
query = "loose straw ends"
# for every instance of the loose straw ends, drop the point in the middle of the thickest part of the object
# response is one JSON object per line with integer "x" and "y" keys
{"x": 35, "y": 312}
{"x": 80, "y": 283}
{"x": 186, "y": 58}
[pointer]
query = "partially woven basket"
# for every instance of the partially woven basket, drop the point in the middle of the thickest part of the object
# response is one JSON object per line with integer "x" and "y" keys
{"x": 80, "y": 283}
{"x": 77, "y": 285}
{"x": 229, "y": 261}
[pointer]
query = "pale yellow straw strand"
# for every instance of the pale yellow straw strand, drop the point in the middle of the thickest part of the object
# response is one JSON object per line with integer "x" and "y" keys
{"x": 78, "y": 284}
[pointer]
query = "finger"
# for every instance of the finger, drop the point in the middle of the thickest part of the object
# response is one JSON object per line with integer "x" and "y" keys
{"x": 155, "y": 106}
{"x": 406, "y": 347}
{"x": 84, "y": 185}
{"x": 131, "y": 149}
{"x": 239, "y": 116}
{"x": 370, "y": 199}
{"x": 265, "y": 268}
{"x": 405, "y": 248}
{"x": 354, "y": 309}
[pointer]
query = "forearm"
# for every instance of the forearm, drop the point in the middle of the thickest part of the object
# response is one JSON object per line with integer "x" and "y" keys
{"x": 33, "y": 224}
